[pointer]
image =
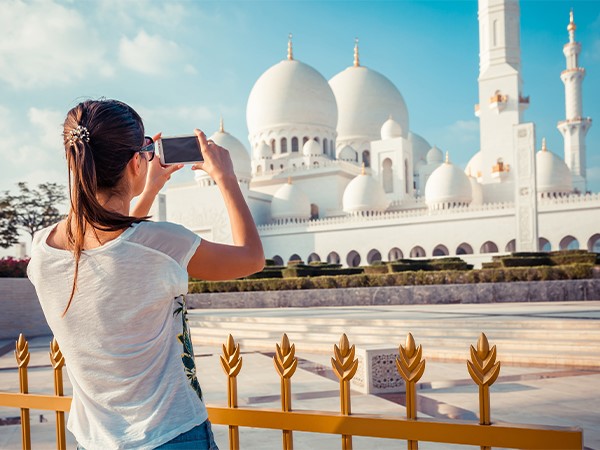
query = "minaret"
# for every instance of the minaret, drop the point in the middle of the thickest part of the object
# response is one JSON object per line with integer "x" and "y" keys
{"x": 500, "y": 102}
{"x": 575, "y": 126}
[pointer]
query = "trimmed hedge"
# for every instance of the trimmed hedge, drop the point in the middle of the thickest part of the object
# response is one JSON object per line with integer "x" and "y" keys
{"x": 408, "y": 278}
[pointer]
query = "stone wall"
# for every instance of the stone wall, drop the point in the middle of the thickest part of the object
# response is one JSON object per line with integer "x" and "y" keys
{"x": 20, "y": 310}
{"x": 527, "y": 291}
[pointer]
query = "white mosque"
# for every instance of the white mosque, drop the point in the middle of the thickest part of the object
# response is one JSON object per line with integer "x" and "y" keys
{"x": 336, "y": 174}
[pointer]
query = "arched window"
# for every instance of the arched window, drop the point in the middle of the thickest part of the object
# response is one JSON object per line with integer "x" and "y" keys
{"x": 273, "y": 146}
{"x": 387, "y": 175}
{"x": 373, "y": 256}
{"x": 314, "y": 211}
{"x": 317, "y": 139}
{"x": 440, "y": 250}
{"x": 406, "y": 185}
{"x": 304, "y": 140}
{"x": 569, "y": 243}
{"x": 395, "y": 254}
{"x": 325, "y": 148}
{"x": 511, "y": 246}
{"x": 333, "y": 258}
{"x": 295, "y": 257}
{"x": 464, "y": 249}
{"x": 353, "y": 259}
{"x": 417, "y": 252}
{"x": 283, "y": 145}
{"x": 294, "y": 145}
{"x": 258, "y": 170}
{"x": 316, "y": 164}
{"x": 488, "y": 247}
{"x": 278, "y": 260}
{"x": 366, "y": 158}
{"x": 313, "y": 257}
{"x": 544, "y": 245}
{"x": 594, "y": 243}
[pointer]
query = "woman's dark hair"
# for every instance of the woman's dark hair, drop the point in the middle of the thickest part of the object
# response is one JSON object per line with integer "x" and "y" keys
{"x": 109, "y": 134}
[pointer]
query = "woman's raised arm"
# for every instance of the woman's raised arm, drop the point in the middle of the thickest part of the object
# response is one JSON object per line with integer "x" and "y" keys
{"x": 214, "y": 261}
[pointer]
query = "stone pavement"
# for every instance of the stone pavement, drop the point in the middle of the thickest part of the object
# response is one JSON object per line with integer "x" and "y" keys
{"x": 561, "y": 396}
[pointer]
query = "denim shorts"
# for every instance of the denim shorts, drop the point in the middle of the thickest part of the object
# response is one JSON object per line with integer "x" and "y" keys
{"x": 198, "y": 438}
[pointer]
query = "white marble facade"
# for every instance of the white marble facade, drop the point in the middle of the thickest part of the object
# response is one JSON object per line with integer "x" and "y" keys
{"x": 334, "y": 172}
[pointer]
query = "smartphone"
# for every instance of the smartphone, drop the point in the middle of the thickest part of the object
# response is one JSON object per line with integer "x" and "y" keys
{"x": 179, "y": 150}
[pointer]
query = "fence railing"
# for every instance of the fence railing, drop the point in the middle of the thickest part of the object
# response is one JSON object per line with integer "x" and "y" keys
{"x": 482, "y": 366}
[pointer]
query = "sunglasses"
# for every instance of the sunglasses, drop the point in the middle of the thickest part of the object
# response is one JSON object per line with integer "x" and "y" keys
{"x": 148, "y": 148}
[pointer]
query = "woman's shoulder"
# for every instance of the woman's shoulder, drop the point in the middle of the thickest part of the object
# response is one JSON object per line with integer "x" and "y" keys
{"x": 152, "y": 227}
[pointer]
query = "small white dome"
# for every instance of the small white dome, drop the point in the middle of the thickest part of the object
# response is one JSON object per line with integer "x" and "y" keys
{"x": 312, "y": 148}
{"x": 347, "y": 153}
{"x": 290, "y": 92}
{"x": 448, "y": 186}
{"x": 239, "y": 155}
{"x": 476, "y": 191}
{"x": 263, "y": 151}
{"x": 391, "y": 129}
{"x": 290, "y": 202}
{"x": 420, "y": 146}
{"x": 364, "y": 193}
{"x": 475, "y": 166}
{"x": 434, "y": 155}
{"x": 553, "y": 175}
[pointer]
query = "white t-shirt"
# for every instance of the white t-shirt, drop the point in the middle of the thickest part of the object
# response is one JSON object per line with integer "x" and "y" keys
{"x": 123, "y": 336}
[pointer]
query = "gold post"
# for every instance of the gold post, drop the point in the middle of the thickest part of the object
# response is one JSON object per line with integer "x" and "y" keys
{"x": 231, "y": 361}
{"x": 411, "y": 368}
{"x": 58, "y": 361}
{"x": 285, "y": 364}
{"x": 345, "y": 366}
{"x": 22, "y": 355}
{"x": 484, "y": 370}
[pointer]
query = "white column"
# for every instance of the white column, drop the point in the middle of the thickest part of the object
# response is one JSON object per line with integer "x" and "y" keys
{"x": 525, "y": 189}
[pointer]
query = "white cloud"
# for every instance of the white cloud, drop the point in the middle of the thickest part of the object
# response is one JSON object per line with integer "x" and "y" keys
{"x": 148, "y": 54}
{"x": 44, "y": 43}
{"x": 132, "y": 14}
{"x": 176, "y": 120}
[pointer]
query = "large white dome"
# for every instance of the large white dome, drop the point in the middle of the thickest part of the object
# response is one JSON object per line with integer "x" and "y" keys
{"x": 364, "y": 193}
{"x": 290, "y": 92}
{"x": 365, "y": 100}
{"x": 290, "y": 202}
{"x": 552, "y": 174}
{"x": 448, "y": 186}
{"x": 420, "y": 146}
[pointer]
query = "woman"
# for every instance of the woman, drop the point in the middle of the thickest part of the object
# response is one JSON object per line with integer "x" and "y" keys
{"x": 112, "y": 284}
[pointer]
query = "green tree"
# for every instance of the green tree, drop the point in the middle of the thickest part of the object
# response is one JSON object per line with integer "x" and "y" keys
{"x": 32, "y": 209}
{"x": 9, "y": 234}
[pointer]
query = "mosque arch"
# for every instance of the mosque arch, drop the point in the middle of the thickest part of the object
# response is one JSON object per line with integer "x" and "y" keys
{"x": 353, "y": 259}
{"x": 304, "y": 140}
{"x": 314, "y": 211}
{"x": 594, "y": 243}
{"x": 366, "y": 158}
{"x": 316, "y": 164}
{"x": 569, "y": 243}
{"x": 464, "y": 249}
{"x": 544, "y": 245}
{"x": 295, "y": 257}
{"x": 511, "y": 246}
{"x": 333, "y": 258}
{"x": 294, "y": 144}
{"x": 488, "y": 247}
{"x": 373, "y": 256}
{"x": 283, "y": 145}
{"x": 325, "y": 147}
{"x": 278, "y": 260}
{"x": 273, "y": 146}
{"x": 387, "y": 174}
{"x": 395, "y": 254}
{"x": 417, "y": 252}
{"x": 313, "y": 257}
{"x": 440, "y": 250}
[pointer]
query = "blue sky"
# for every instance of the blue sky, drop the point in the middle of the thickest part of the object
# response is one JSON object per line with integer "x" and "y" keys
{"x": 182, "y": 64}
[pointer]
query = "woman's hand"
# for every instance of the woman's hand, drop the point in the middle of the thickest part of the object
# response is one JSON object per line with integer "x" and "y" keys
{"x": 158, "y": 174}
{"x": 217, "y": 162}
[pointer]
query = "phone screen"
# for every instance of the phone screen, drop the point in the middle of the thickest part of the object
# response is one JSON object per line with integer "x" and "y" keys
{"x": 184, "y": 149}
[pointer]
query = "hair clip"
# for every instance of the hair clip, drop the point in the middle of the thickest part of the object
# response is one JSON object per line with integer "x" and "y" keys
{"x": 80, "y": 133}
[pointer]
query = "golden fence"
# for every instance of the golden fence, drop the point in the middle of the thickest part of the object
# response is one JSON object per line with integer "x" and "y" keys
{"x": 483, "y": 368}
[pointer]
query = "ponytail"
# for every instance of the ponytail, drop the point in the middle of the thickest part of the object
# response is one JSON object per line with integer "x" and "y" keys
{"x": 105, "y": 132}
